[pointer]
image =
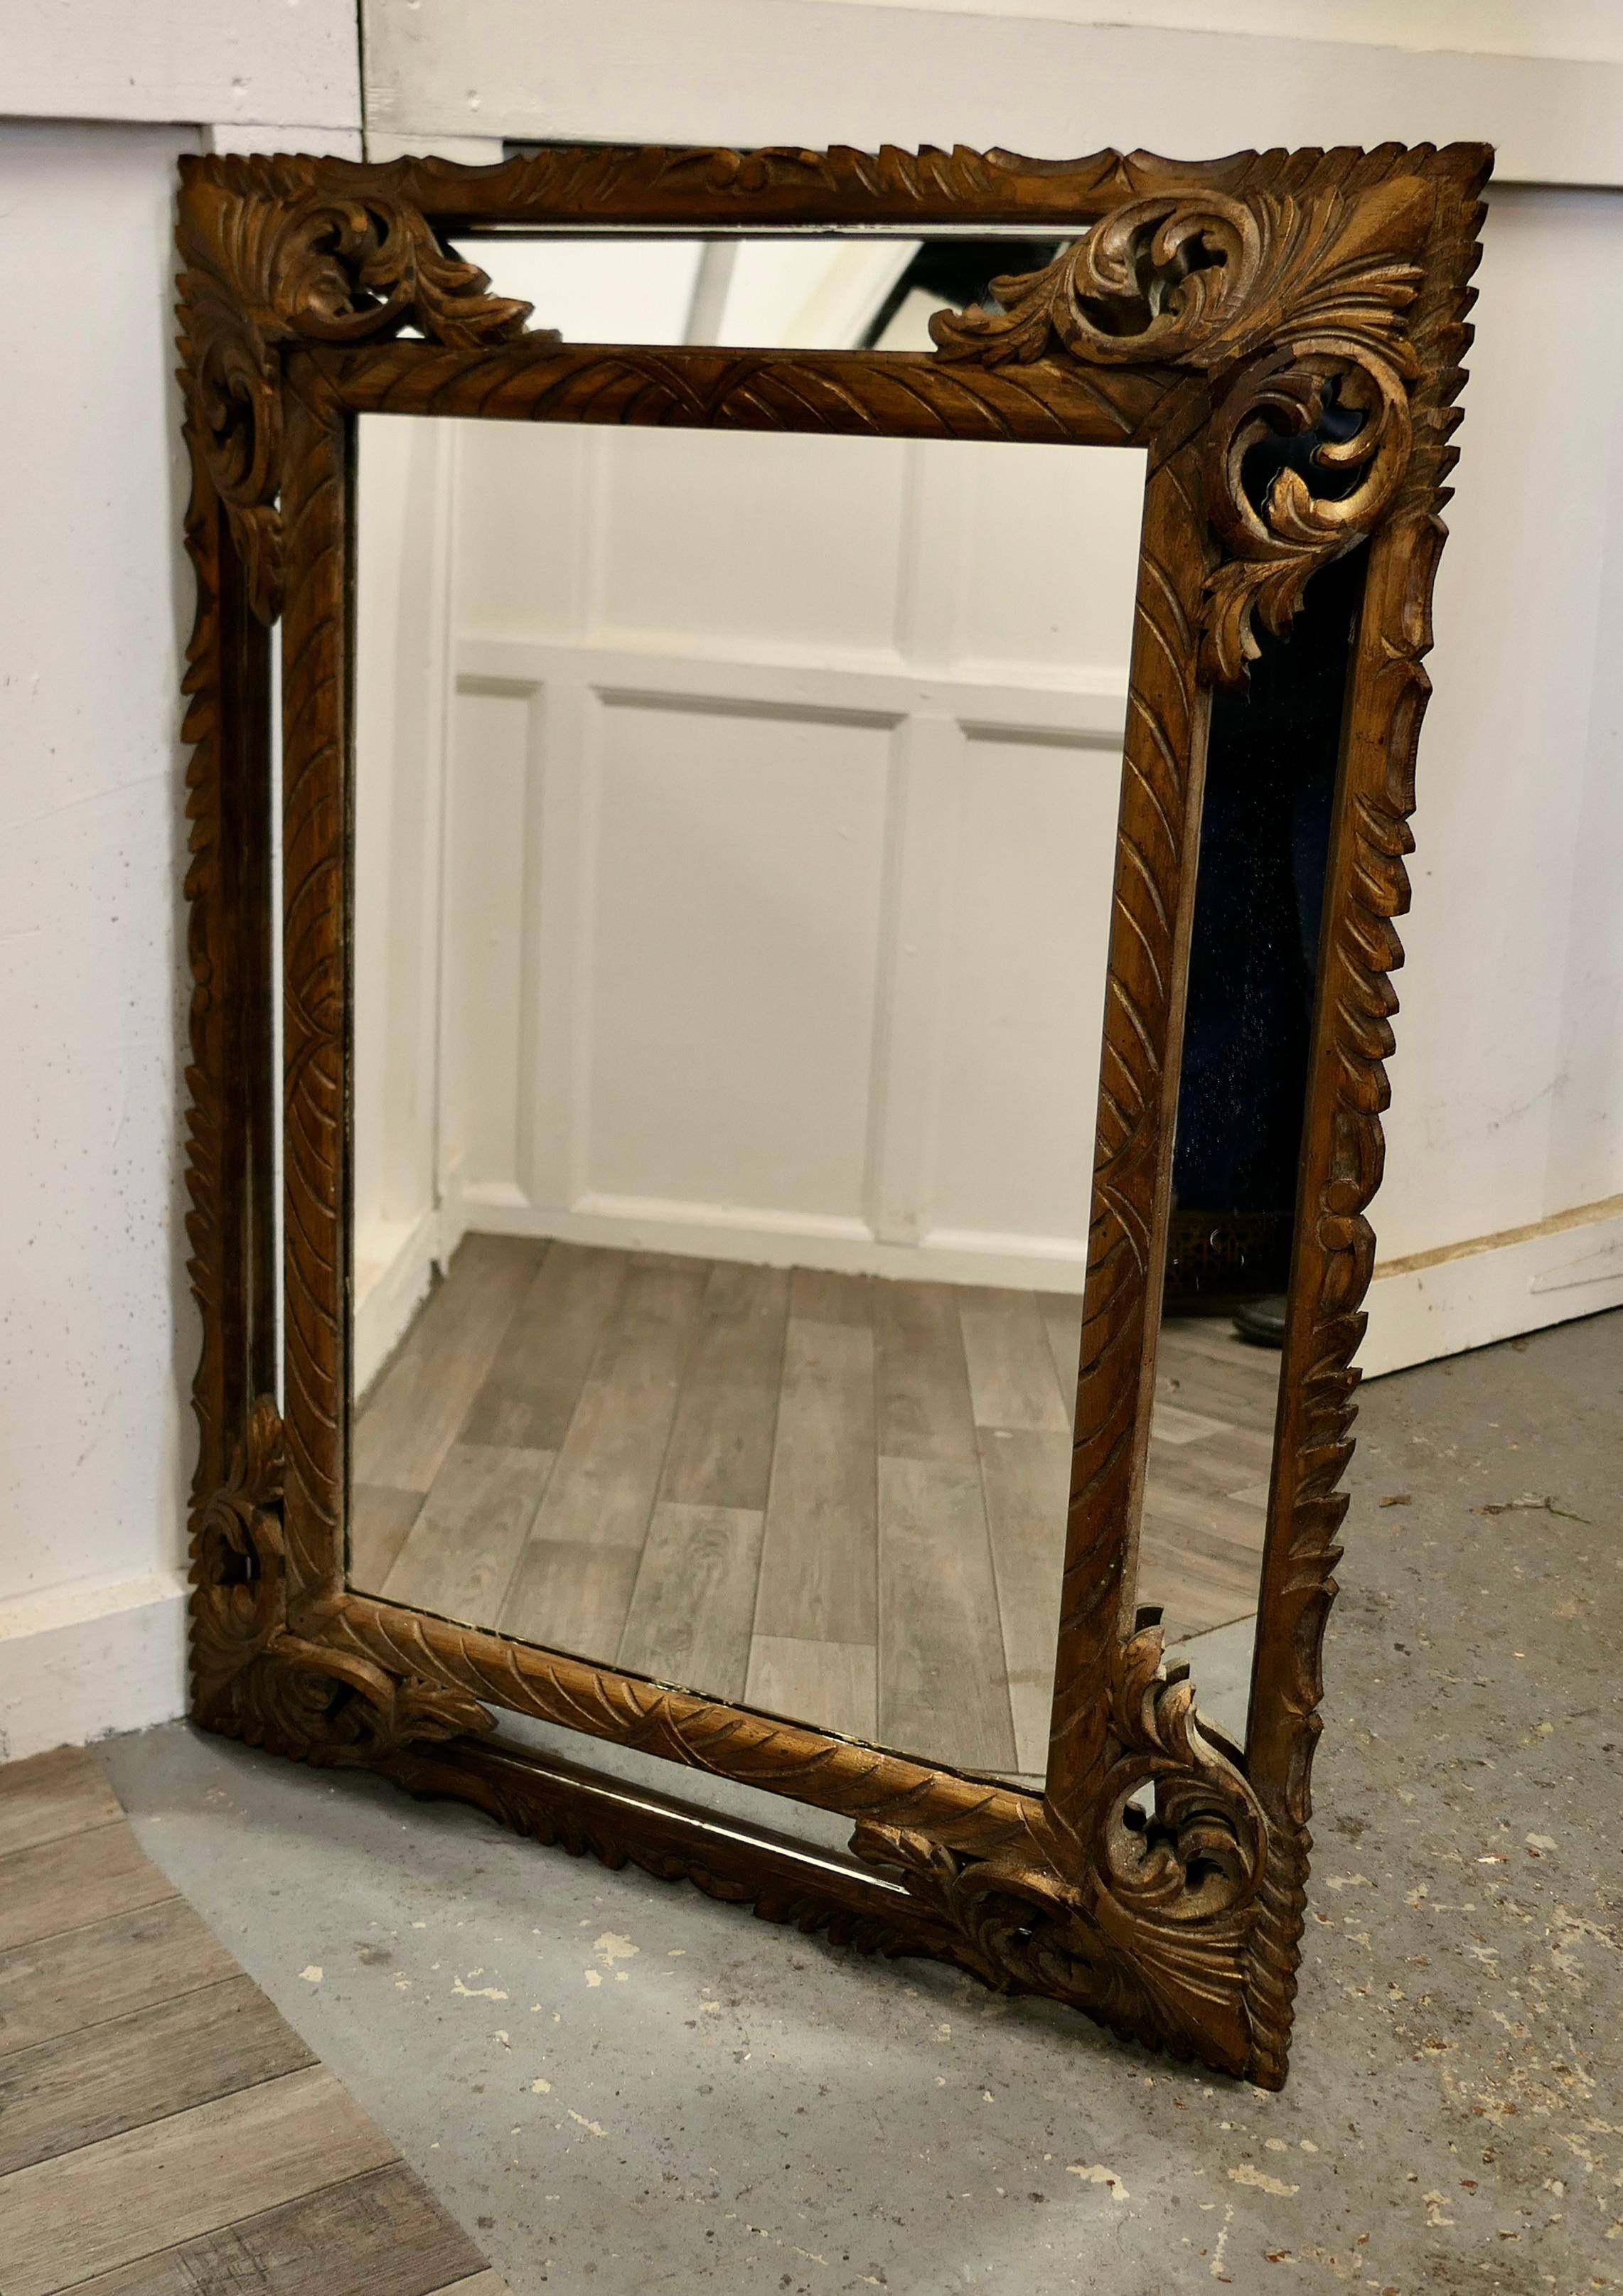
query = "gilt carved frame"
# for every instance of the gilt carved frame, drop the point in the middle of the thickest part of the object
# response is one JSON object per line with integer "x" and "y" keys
{"x": 1200, "y": 308}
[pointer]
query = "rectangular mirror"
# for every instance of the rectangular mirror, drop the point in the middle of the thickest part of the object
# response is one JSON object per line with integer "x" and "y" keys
{"x": 846, "y": 728}
{"x": 1254, "y": 968}
{"x": 729, "y": 985}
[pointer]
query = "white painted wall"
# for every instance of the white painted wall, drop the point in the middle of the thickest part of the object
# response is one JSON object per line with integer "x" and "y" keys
{"x": 98, "y": 1335}
{"x": 1501, "y": 1208}
{"x": 96, "y": 1351}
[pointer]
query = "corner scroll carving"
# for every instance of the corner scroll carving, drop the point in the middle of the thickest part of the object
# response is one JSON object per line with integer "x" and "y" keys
{"x": 272, "y": 257}
{"x": 1274, "y": 299}
{"x": 1149, "y": 1938}
{"x": 255, "y": 1680}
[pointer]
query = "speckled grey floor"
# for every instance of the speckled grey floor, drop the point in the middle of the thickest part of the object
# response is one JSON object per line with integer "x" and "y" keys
{"x": 620, "y": 2087}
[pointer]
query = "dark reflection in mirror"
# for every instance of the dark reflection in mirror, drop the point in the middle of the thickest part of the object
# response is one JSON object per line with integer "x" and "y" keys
{"x": 1270, "y": 791}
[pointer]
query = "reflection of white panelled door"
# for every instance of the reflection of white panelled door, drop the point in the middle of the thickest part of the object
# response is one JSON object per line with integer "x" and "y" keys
{"x": 773, "y": 834}
{"x": 778, "y": 880}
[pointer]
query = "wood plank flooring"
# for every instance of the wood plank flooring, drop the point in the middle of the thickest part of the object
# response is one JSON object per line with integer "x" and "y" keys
{"x": 836, "y": 1497}
{"x": 163, "y": 2131}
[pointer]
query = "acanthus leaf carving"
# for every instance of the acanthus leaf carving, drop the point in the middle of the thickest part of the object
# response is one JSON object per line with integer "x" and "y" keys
{"x": 1145, "y": 1932}
{"x": 1278, "y": 544}
{"x": 1274, "y": 299}
{"x": 255, "y": 1679}
{"x": 331, "y": 1707}
{"x": 272, "y": 257}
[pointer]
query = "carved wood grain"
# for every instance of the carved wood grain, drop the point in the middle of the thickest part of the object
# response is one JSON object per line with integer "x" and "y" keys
{"x": 1207, "y": 305}
{"x": 880, "y": 394}
{"x": 1163, "y": 762}
{"x": 864, "y": 1783}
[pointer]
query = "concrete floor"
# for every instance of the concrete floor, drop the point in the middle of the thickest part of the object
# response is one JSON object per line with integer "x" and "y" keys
{"x": 618, "y": 2087}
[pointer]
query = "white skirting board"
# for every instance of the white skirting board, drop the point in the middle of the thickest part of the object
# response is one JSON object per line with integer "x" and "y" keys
{"x": 394, "y": 1269}
{"x": 1436, "y": 1303}
{"x": 79, "y": 1663}
{"x": 1495, "y": 1287}
{"x": 773, "y": 1239}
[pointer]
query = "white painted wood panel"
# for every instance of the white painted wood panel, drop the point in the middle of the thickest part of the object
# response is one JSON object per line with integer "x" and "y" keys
{"x": 241, "y": 62}
{"x": 1025, "y": 951}
{"x": 1542, "y": 83}
{"x": 734, "y": 949}
{"x": 1586, "y": 29}
{"x": 1507, "y": 1115}
{"x": 749, "y": 536}
{"x": 402, "y": 722}
{"x": 533, "y": 486}
{"x": 487, "y": 990}
{"x": 1046, "y": 535}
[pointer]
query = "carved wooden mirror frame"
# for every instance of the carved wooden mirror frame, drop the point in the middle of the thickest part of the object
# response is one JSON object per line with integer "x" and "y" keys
{"x": 1203, "y": 307}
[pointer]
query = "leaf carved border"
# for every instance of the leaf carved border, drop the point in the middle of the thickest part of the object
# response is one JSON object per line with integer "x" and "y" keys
{"x": 1194, "y": 311}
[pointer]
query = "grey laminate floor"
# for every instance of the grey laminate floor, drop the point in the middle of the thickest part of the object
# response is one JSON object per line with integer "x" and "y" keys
{"x": 838, "y": 1497}
{"x": 738, "y": 2110}
{"x": 163, "y": 2131}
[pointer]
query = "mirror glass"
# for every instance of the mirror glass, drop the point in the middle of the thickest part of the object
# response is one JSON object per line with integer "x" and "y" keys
{"x": 735, "y": 833}
{"x": 1253, "y": 970}
{"x": 871, "y": 291}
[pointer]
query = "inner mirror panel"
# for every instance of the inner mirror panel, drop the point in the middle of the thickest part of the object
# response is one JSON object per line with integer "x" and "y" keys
{"x": 1253, "y": 970}
{"x": 873, "y": 292}
{"x": 734, "y": 835}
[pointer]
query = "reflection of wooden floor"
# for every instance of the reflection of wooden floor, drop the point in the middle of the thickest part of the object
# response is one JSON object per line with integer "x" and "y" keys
{"x": 834, "y": 1497}
{"x": 163, "y": 2132}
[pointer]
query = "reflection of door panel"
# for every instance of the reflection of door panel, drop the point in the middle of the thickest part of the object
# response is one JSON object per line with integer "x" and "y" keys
{"x": 400, "y": 709}
{"x": 731, "y": 969}
{"x": 779, "y": 816}
{"x": 837, "y": 859}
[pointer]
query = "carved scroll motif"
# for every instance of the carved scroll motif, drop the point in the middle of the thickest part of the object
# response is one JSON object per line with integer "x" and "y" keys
{"x": 254, "y": 1680}
{"x": 271, "y": 260}
{"x": 1148, "y": 1936}
{"x": 1272, "y": 297}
